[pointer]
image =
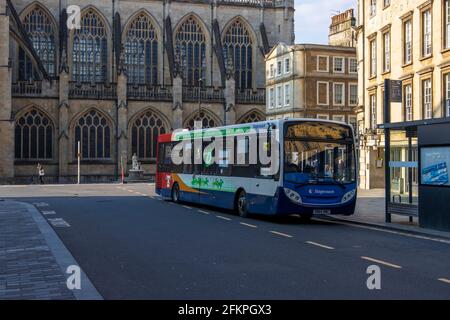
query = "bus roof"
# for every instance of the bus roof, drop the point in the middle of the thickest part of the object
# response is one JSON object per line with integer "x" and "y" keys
{"x": 167, "y": 137}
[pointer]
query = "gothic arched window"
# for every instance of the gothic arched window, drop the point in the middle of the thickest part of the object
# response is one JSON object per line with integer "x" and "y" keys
{"x": 41, "y": 32}
{"x": 141, "y": 51}
{"x": 144, "y": 135}
{"x": 90, "y": 49}
{"x": 94, "y": 133}
{"x": 207, "y": 121}
{"x": 252, "y": 117}
{"x": 34, "y": 136}
{"x": 190, "y": 45}
{"x": 238, "y": 43}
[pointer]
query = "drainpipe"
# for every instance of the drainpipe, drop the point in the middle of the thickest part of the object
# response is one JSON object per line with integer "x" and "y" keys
{"x": 304, "y": 81}
{"x": 116, "y": 150}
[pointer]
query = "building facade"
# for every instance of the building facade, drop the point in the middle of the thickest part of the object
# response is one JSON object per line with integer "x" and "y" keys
{"x": 312, "y": 81}
{"x": 127, "y": 72}
{"x": 408, "y": 41}
{"x": 343, "y": 29}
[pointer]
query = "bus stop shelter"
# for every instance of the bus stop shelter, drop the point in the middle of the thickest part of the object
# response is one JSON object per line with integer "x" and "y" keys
{"x": 417, "y": 155}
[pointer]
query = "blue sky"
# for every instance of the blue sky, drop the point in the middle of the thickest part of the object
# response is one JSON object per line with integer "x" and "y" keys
{"x": 313, "y": 17}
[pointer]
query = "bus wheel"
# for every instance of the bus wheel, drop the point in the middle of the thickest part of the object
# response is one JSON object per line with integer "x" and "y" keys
{"x": 241, "y": 204}
{"x": 176, "y": 193}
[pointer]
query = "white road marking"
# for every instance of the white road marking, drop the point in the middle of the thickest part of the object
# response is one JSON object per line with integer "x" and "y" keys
{"x": 40, "y": 204}
{"x": 224, "y": 218}
{"x": 248, "y": 225}
{"x": 187, "y": 207}
{"x": 444, "y": 280}
{"x": 59, "y": 223}
{"x": 281, "y": 234}
{"x": 202, "y": 211}
{"x": 382, "y": 262}
{"x": 319, "y": 245}
{"x": 47, "y": 213}
{"x": 385, "y": 230}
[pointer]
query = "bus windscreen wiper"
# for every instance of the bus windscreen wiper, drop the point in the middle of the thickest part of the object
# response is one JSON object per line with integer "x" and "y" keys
{"x": 302, "y": 184}
{"x": 331, "y": 180}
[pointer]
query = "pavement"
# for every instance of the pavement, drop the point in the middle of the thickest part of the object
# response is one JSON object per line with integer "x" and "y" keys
{"x": 370, "y": 211}
{"x": 133, "y": 245}
{"x": 33, "y": 260}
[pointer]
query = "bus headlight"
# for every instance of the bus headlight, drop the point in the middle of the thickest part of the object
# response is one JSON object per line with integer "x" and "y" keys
{"x": 348, "y": 196}
{"x": 293, "y": 195}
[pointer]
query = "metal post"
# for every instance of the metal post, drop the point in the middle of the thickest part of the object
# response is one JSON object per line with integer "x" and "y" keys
{"x": 79, "y": 160}
{"x": 410, "y": 170}
{"x": 387, "y": 146}
{"x": 122, "y": 172}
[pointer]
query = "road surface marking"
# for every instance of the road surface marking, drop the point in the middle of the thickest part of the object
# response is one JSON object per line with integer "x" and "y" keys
{"x": 444, "y": 280}
{"x": 46, "y": 213}
{"x": 382, "y": 262}
{"x": 281, "y": 234}
{"x": 224, "y": 218}
{"x": 319, "y": 245}
{"x": 40, "y": 204}
{"x": 248, "y": 225}
{"x": 187, "y": 207}
{"x": 384, "y": 230}
{"x": 205, "y": 212}
{"x": 59, "y": 223}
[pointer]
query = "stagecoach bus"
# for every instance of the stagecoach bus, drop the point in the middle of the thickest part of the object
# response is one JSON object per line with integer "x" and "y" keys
{"x": 315, "y": 172}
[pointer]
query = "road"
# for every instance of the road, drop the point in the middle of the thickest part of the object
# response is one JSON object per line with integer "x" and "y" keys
{"x": 133, "y": 245}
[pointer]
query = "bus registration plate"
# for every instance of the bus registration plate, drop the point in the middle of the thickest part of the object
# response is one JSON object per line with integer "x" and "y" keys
{"x": 321, "y": 211}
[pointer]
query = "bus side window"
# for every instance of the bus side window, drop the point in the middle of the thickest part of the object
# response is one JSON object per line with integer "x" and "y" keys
{"x": 188, "y": 168}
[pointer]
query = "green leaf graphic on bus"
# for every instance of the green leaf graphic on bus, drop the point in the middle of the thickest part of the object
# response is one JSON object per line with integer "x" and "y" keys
{"x": 199, "y": 182}
{"x": 218, "y": 183}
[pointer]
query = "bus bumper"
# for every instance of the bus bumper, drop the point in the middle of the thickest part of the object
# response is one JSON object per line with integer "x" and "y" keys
{"x": 287, "y": 207}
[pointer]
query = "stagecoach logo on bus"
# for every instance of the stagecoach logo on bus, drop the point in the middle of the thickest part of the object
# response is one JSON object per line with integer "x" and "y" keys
{"x": 228, "y": 146}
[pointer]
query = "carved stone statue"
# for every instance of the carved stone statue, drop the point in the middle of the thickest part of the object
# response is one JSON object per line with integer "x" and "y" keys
{"x": 230, "y": 66}
{"x": 121, "y": 68}
{"x": 177, "y": 70}
{"x": 135, "y": 163}
{"x": 135, "y": 174}
{"x": 63, "y": 65}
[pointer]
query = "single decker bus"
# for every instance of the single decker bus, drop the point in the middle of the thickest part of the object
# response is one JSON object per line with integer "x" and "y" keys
{"x": 315, "y": 173}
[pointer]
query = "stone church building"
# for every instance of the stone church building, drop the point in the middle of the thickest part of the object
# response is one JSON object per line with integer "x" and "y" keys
{"x": 129, "y": 71}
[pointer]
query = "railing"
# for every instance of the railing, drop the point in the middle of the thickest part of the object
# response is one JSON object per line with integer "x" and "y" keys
{"x": 89, "y": 90}
{"x": 257, "y": 96}
{"x": 148, "y": 92}
{"x": 204, "y": 94}
{"x": 27, "y": 88}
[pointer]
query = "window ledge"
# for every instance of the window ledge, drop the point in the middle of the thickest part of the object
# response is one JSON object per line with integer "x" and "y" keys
{"x": 409, "y": 64}
{"x": 446, "y": 50}
{"x": 35, "y": 162}
{"x": 426, "y": 58}
{"x": 93, "y": 162}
